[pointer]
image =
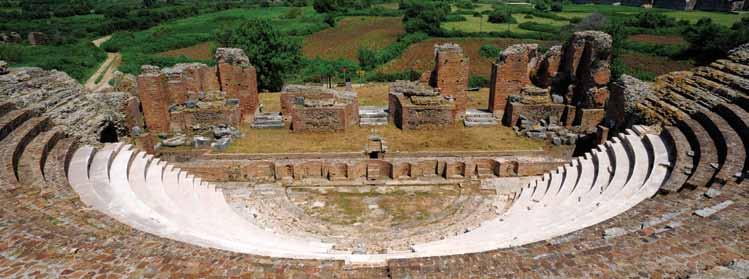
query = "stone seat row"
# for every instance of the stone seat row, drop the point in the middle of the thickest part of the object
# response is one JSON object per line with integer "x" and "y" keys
{"x": 717, "y": 141}
{"x": 147, "y": 194}
{"x": 587, "y": 191}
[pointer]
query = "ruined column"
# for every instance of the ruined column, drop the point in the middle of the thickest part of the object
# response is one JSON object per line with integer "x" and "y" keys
{"x": 510, "y": 73}
{"x": 451, "y": 75}
{"x": 238, "y": 79}
{"x": 152, "y": 90}
{"x": 586, "y": 62}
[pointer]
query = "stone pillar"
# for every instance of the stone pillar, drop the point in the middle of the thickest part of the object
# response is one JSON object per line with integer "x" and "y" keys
{"x": 451, "y": 74}
{"x": 152, "y": 90}
{"x": 238, "y": 79}
{"x": 510, "y": 73}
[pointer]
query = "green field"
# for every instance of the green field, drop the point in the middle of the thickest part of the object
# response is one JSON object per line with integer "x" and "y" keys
{"x": 142, "y": 47}
{"x": 476, "y": 24}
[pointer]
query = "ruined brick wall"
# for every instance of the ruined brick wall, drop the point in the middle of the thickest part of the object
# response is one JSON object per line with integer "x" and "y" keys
{"x": 318, "y": 119}
{"x": 312, "y": 108}
{"x": 451, "y": 74}
{"x": 533, "y": 112}
{"x": 152, "y": 89}
{"x": 410, "y": 117}
{"x": 510, "y": 73}
{"x": 184, "y": 120}
{"x": 239, "y": 80}
{"x": 586, "y": 63}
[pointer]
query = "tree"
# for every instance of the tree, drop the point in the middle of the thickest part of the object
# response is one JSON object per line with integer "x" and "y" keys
{"x": 422, "y": 16}
{"x": 542, "y": 5}
{"x": 489, "y": 51}
{"x": 274, "y": 55}
{"x": 501, "y": 16}
{"x": 149, "y": 3}
{"x": 367, "y": 58}
{"x": 709, "y": 41}
{"x": 557, "y": 6}
{"x": 325, "y": 6}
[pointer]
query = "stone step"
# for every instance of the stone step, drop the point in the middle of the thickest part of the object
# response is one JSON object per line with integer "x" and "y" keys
{"x": 34, "y": 156}
{"x": 268, "y": 116}
{"x": 56, "y": 167}
{"x": 13, "y": 145}
{"x": 373, "y": 121}
{"x": 11, "y": 120}
{"x": 269, "y": 121}
{"x": 6, "y": 107}
{"x": 266, "y": 126}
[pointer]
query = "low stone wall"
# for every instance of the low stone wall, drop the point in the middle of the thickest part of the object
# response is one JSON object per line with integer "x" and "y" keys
{"x": 355, "y": 171}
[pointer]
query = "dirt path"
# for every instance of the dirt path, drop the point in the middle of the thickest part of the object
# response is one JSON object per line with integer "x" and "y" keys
{"x": 99, "y": 81}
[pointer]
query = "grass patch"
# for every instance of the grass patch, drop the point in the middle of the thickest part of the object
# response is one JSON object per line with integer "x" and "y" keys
{"x": 481, "y": 24}
{"x": 658, "y": 39}
{"x": 201, "y": 51}
{"x": 459, "y": 138}
{"x": 352, "y": 33}
{"x": 77, "y": 60}
{"x": 640, "y": 63}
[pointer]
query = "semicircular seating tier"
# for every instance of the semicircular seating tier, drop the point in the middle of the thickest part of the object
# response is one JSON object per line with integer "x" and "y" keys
{"x": 150, "y": 218}
{"x": 153, "y": 196}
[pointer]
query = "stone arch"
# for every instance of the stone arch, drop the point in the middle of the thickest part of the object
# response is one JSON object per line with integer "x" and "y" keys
{"x": 108, "y": 133}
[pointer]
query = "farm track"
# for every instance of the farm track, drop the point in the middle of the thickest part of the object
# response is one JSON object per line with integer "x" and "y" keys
{"x": 99, "y": 81}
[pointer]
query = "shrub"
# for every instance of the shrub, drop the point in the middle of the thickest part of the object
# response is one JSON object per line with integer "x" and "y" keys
{"x": 539, "y": 27}
{"x": 594, "y": 21}
{"x": 421, "y": 16}
{"x": 557, "y": 6}
{"x": 709, "y": 41}
{"x": 454, "y": 17}
{"x": 367, "y": 58}
{"x": 465, "y": 4}
{"x": 385, "y": 77}
{"x": 542, "y": 5}
{"x": 489, "y": 51}
{"x": 501, "y": 16}
{"x": 477, "y": 81}
{"x": 651, "y": 20}
{"x": 293, "y": 13}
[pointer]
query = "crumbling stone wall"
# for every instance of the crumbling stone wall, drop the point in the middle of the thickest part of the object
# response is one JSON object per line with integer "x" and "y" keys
{"x": 185, "y": 87}
{"x": 154, "y": 98}
{"x": 66, "y": 102}
{"x": 510, "y": 73}
{"x": 575, "y": 74}
{"x": 313, "y": 108}
{"x": 413, "y": 106}
{"x": 450, "y": 75}
{"x": 238, "y": 79}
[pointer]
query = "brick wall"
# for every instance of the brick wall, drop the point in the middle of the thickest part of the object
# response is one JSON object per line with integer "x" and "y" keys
{"x": 152, "y": 90}
{"x": 451, "y": 75}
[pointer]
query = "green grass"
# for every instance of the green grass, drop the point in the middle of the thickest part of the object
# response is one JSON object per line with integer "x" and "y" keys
{"x": 77, "y": 60}
{"x": 475, "y": 24}
{"x": 141, "y": 47}
{"x": 726, "y": 19}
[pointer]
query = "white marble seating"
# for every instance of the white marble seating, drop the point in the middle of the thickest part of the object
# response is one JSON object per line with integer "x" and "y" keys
{"x": 152, "y": 196}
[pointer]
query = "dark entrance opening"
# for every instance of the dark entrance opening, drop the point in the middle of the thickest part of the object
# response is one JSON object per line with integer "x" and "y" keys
{"x": 108, "y": 134}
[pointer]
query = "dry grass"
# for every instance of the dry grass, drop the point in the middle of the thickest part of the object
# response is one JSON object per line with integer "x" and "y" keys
{"x": 420, "y": 56}
{"x": 352, "y": 33}
{"x": 353, "y": 140}
{"x": 201, "y": 51}
{"x": 654, "y": 64}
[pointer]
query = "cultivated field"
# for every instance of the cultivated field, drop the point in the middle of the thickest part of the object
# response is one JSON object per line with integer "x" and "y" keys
{"x": 352, "y": 33}
{"x": 420, "y": 56}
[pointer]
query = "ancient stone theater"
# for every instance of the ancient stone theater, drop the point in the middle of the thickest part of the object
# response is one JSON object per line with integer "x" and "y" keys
{"x": 635, "y": 179}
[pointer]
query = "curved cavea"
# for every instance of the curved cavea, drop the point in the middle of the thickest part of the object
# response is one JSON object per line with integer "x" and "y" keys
{"x": 668, "y": 199}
